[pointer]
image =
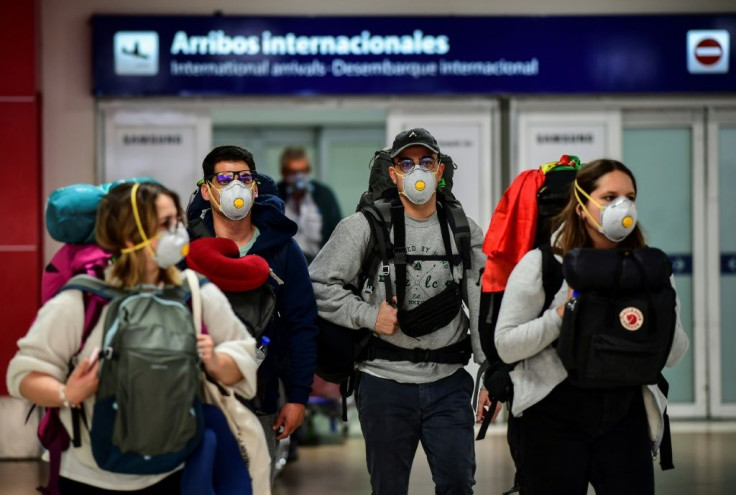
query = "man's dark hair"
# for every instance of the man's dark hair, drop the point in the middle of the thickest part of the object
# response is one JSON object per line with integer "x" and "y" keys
{"x": 227, "y": 154}
{"x": 292, "y": 153}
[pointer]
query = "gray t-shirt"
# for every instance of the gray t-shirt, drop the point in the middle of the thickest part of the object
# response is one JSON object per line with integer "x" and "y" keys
{"x": 339, "y": 262}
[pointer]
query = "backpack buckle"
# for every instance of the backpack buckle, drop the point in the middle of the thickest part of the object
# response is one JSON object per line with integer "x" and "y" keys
{"x": 385, "y": 269}
{"x": 107, "y": 353}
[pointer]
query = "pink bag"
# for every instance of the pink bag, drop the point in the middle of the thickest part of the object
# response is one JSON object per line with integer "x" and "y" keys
{"x": 70, "y": 260}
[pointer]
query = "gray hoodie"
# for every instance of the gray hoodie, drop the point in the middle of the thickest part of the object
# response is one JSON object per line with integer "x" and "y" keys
{"x": 338, "y": 264}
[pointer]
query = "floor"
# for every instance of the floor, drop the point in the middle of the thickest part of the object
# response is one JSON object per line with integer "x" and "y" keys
{"x": 704, "y": 454}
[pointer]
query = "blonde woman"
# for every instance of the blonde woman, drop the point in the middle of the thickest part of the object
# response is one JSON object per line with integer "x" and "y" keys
{"x": 141, "y": 225}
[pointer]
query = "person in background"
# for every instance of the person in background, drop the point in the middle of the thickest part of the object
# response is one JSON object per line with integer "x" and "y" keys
{"x": 311, "y": 204}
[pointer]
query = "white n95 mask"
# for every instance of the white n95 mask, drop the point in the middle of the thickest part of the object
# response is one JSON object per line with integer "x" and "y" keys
{"x": 419, "y": 185}
{"x": 618, "y": 218}
{"x": 173, "y": 245}
{"x": 236, "y": 199}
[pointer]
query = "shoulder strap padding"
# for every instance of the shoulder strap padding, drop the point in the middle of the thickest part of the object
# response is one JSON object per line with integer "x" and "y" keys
{"x": 460, "y": 227}
{"x": 552, "y": 276}
{"x": 86, "y": 283}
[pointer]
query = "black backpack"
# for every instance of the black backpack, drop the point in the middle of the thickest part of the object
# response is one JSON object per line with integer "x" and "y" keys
{"x": 618, "y": 329}
{"x": 551, "y": 197}
{"x": 339, "y": 348}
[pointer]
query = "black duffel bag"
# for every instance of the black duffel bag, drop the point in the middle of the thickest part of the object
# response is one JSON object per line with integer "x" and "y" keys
{"x": 618, "y": 329}
{"x": 338, "y": 349}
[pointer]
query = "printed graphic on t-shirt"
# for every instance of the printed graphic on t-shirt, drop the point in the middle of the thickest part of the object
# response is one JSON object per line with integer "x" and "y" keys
{"x": 425, "y": 278}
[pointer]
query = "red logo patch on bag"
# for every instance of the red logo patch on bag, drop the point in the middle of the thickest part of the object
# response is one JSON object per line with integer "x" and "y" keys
{"x": 631, "y": 318}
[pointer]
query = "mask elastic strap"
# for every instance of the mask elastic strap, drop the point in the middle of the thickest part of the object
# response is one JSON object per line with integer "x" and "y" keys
{"x": 212, "y": 196}
{"x": 146, "y": 241}
{"x": 580, "y": 202}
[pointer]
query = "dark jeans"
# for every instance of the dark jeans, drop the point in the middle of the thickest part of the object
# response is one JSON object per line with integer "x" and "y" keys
{"x": 575, "y": 436}
{"x": 395, "y": 417}
{"x": 171, "y": 485}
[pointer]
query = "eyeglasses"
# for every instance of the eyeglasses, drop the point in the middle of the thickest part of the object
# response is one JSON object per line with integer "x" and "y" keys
{"x": 407, "y": 165}
{"x": 225, "y": 178}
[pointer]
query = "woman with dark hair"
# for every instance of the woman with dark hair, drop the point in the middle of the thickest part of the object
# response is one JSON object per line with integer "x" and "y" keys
{"x": 571, "y": 436}
{"x": 141, "y": 225}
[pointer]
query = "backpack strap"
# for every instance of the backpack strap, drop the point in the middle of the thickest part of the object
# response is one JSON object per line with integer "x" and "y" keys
{"x": 399, "y": 248}
{"x": 96, "y": 295}
{"x": 198, "y": 227}
{"x": 379, "y": 239}
{"x": 552, "y": 276}
{"x": 665, "y": 448}
{"x": 458, "y": 221}
{"x": 460, "y": 227}
{"x": 92, "y": 285}
{"x": 457, "y": 353}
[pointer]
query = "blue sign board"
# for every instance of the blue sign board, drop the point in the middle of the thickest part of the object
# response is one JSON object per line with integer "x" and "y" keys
{"x": 682, "y": 263}
{"x": 223, "y": 55}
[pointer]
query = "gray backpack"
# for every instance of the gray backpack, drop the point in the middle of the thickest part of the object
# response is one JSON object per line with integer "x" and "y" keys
{"x": 148, "y": 413}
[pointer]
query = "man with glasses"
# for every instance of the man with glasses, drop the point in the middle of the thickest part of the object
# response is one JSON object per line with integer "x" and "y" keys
{"x": 412, "y": 385}
{"x": 311, "y": 204}
{"x": 258, "y": 225}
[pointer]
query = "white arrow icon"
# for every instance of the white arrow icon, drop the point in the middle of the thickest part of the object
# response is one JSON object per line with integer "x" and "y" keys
{"x": 678, "y": 265}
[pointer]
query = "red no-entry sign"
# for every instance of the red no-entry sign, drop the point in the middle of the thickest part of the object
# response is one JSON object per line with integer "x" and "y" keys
{"x": 708, "y": 51}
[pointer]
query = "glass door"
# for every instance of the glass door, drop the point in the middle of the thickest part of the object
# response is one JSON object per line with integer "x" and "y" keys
{"x": 722, "y": 260}
{"x": 665, "y": 151}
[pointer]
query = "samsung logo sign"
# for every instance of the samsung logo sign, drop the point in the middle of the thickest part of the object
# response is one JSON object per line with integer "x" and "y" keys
{"x": 564, "y": 138}
{"x": 219, "y": 43}
{"x": 153, "y": 139}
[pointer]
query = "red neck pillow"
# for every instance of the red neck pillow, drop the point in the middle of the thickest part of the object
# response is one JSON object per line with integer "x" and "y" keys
{"x": 218, "y": 259}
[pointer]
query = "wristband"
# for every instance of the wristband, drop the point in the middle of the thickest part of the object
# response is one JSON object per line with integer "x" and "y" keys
{"x": 64, "y": 399}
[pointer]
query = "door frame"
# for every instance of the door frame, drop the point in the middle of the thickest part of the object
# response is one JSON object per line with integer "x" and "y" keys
{"x": 695, "y": 119}
{"x": 656, "y": 112}
{"x": 717, "y": 116}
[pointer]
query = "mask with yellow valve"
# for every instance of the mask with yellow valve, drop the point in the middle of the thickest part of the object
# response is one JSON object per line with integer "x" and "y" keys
{"x": 419, "y": 185}
{"x": 236, "y": 199}
{"x": 173, "y": 245}
{"x": 618, "y": 218}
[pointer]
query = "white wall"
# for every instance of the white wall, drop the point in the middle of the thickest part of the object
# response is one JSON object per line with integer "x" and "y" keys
{"x": 69, "y": 124}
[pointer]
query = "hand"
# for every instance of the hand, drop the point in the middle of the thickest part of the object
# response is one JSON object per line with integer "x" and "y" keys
{"x": 206, "y": 349}
{"x": 290, "y": 418}
{"x": 561, "y": 308}
{"x": 483, "y": 403}
{"x": 83, "y": 382}
{"x": 386, "y": 321}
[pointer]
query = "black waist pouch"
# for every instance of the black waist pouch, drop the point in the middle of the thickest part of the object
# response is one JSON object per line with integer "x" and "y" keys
{"x": 433, "y": 314}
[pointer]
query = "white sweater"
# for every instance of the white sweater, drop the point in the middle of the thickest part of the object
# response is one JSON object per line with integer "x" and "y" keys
{"x": 55, "y": 336}
{"x": 522, "y": 335}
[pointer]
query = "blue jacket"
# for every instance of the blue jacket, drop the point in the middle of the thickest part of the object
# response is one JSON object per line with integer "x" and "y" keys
{"x": 292, "y": 354}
